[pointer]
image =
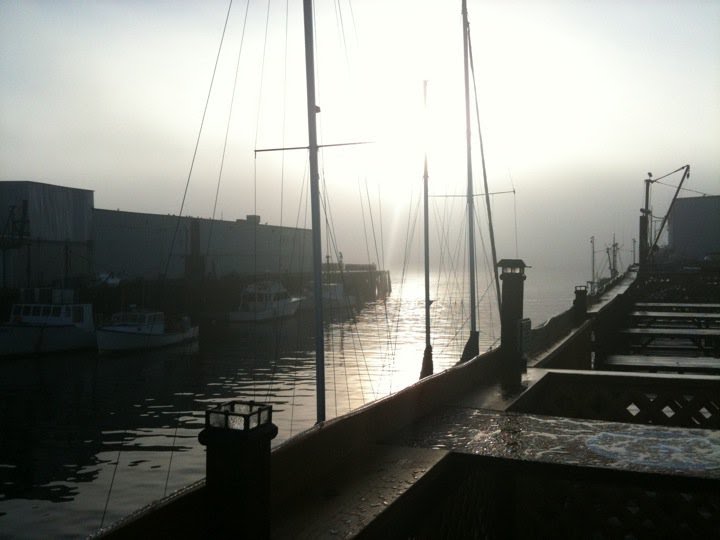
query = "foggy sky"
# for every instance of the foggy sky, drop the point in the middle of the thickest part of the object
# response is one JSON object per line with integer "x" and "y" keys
{"x": 578, "y": 101}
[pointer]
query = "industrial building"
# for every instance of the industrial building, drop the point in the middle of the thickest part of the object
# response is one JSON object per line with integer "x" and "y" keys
{"x": 694, "y": 228}
{"x": 46, "y": 234}
{"x": 53, "y": 235}
{"x": 132, "y": 245}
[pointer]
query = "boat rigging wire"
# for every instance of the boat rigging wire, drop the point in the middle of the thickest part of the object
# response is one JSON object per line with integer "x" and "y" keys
{"x": 227, "y": 127}
{"x": 682, "y": 189}
{"x": 474, "y": 194}
{"x": 197, "y": 140}
{"x": 485, "y": 181}
{"x": 517, "y": 251}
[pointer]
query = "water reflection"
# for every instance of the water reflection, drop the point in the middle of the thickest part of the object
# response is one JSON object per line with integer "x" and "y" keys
{"x": 86, "y": 435}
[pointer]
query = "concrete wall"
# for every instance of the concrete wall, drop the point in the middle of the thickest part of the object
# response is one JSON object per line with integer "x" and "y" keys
{"x": 132, "y": 245}
{"x": 57, "y": 245}
{"x": 694, "y": 227}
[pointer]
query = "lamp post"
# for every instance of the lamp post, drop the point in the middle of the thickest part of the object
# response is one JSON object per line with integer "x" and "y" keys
{"x": 512, "y": 276}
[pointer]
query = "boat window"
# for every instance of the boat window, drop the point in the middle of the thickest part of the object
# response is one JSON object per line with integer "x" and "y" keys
{"x": 66, "y": 312}
{"x": 36, "y": 310}
{"x": 17, "y": 309}
{"x": 27, "y": 310}
{"x": 46, "y": 311}
{"x": 56, "y": 311}
{"x": 77, "y": 313}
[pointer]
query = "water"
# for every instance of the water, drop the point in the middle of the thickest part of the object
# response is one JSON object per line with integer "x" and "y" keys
{"x": 87, "y": 439}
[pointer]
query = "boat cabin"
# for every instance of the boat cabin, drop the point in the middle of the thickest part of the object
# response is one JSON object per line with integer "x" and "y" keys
{"x": 52, "y": 314}
{"x": 139, "y": 321}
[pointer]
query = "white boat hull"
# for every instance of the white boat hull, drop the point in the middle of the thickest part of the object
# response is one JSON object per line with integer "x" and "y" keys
{"x": 19, "y": 339}
{"x": 276, "y": 310}
{"x": 115, "y": 340}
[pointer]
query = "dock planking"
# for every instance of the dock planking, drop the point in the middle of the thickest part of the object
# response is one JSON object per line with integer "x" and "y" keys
{"x": 692, "y": 364}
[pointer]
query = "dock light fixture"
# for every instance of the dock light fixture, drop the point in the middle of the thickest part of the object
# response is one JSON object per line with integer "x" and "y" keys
{"x": 237, "y": 435}
{"x": 511, "y": 315}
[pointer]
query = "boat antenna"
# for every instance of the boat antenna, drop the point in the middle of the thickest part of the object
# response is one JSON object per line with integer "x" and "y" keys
{"x": 312, "y": 110}
{"x": 427, "y": 363}
{"x": 472, "y": 348}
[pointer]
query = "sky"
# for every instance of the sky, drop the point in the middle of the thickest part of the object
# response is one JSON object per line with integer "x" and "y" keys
{"x": 578, "y": 101}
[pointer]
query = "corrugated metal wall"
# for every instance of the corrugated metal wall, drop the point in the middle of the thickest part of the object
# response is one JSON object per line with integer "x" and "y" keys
{"x": 131, "y": 245}
{"x": 694, "y": 227}
{"x": 70, "y": 242}
{"x": 58, "y": 247}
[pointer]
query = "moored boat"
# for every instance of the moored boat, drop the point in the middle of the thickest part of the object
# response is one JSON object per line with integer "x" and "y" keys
{"x": 334, "y": 298}
{"x": 57, "y": 325}
{"x": 143, "y": 329}
{"x": 264, "y": 301}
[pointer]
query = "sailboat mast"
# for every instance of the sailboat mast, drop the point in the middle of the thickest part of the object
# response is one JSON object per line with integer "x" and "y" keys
{"x": 312, "y": 110}
{"x": 470, "y": 201}
{"x": 427, "y": 365}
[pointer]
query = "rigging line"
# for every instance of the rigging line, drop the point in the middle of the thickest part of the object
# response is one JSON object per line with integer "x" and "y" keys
{"x": 682, "y": 189}
{"x": 514, "y": 214}
{"x": 319, "y": 146}
{"x": 482, "y": 160}
{"x": 382, "y": 236}
{"x": 197, "y": 140}
{"x": 372, "y": 224}
{"x": 302, "y": 265}
{"x": 367, "y": 251}
{"x": 410, "y": 236}
{"x": 284, "y": 121}
{"x": 669, "y": 174}
{"x": 332, "y": 240}
{"x": 367, "y": 194}
{"x": 187, "y": 186}
{"x": 112, "y": 480}
{"x": 339, "y": 18}
{"x": 474, "y": 194}
{"x": 227, "y": 128}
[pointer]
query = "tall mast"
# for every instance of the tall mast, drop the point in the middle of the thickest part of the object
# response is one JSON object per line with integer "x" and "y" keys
{"x": 312, "y": 110}
{"x": 427, "y": 365}
{"x": 472, "y": 346}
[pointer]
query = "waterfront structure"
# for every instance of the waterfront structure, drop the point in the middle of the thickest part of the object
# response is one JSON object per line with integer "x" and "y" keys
{"x": 694, "y": 228}
{"x": 136, "y": 245}
{"x": 53, "y": 235}
{"x": 46, "y": 234}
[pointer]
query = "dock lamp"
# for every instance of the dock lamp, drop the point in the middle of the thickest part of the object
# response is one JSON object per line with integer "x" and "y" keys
{"x": 512, "y": 274}
{"x": 237, "y": 435}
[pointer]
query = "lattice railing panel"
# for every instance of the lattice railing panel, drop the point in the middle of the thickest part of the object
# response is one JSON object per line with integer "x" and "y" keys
{"x": 567, "y": 508}
{"x": 618, "y": 399}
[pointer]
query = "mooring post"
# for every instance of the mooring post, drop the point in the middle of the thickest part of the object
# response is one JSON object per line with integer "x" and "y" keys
{"x": 237, "y": 435}
{"x": 580, "y": 304}
{"x": 511, "y": 314}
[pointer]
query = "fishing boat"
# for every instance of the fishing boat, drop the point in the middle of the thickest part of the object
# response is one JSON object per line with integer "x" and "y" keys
{"x": 57, "y": 325}
{"x": 143, "y": 329}
{"x": 264, "y": 301}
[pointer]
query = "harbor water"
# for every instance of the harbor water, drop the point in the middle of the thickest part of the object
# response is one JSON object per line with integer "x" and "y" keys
{"x": 87, "y": 438}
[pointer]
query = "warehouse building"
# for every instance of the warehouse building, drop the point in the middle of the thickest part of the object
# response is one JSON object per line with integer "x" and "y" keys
{"x": 52, "y": 235}
{"x": 132, "y": 245}
{"x": 694, "y": 228}
{"x": 46, "y": 235}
